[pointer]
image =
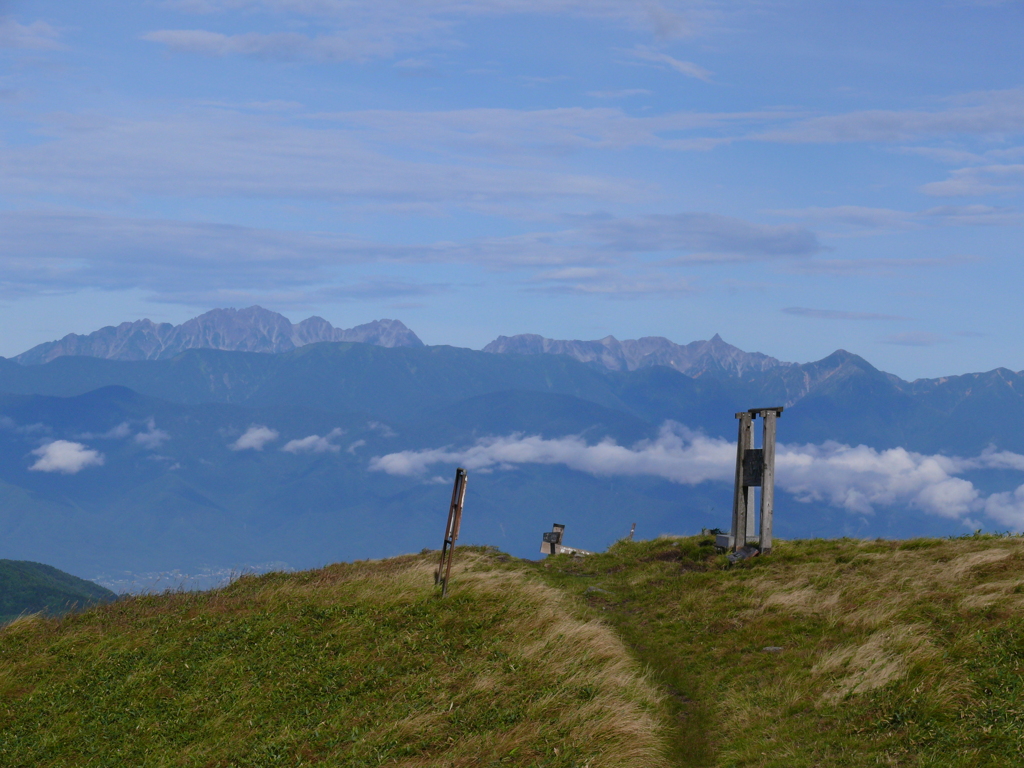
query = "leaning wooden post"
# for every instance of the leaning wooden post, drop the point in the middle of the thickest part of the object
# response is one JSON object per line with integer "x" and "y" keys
{"x": 451, "y": 530}
{"x": 740, "y": 509}
{"x": 768, "y": 479}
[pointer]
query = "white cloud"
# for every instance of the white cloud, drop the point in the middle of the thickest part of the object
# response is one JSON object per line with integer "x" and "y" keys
{"x": 152, "y": 438}
{"x": 120, "y": 432}
{"x": 254, "y": 439}
{"x": 315, "y": 443}
{"x": 677, "y": 454}
{"x": 855, "y": 478}
{"x": 355, "y": 446}
{"x": 1007, "y": 508}
{"x": 65, "y": 457}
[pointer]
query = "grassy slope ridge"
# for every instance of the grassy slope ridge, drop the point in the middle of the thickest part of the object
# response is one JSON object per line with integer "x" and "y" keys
{"x": 27, "y": 587}
{"x": 882, "y": 652}
{"x": 354, "y": 665}
{"x": 836, "y": 653}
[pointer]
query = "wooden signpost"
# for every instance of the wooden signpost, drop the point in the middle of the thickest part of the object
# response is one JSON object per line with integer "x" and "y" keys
{"x": 451, "y": 531}
{"x": 755, "y": 467}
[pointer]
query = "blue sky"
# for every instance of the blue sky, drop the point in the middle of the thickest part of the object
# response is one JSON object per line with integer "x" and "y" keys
{"x": 796, "y": 176}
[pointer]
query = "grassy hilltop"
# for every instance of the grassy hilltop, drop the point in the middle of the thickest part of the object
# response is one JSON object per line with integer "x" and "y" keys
{"x": 351, "y": 665}
{"x": 655, "y": 653}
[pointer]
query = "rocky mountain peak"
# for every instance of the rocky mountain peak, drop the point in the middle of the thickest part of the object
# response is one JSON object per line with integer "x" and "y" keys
{"x": 252, "y": 329}
{"x": 712, "y": 357}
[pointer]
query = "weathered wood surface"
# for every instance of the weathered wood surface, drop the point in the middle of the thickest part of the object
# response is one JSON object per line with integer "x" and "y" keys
{"x": 451, "y": 530}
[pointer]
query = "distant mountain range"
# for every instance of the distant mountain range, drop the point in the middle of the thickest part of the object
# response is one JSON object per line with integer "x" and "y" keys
{"x": 253, "y": 329}
{"x": 697, "y": 358}
{"x": 211, "y": 458}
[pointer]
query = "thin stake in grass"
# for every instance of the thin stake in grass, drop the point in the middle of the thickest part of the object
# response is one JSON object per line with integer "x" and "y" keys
{"x": 451, "y": 531}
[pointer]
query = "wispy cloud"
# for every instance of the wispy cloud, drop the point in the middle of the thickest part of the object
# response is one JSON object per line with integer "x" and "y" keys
{"x": 65, "y": 457}
{"x": 57, "y": 252}
{"x": 152, "y": 438}
{"x": 687, "y": 68}
{"x": 149, "y": 438}
{"x": 280, "y": 45}
{"x": 621, "y": 94}
{"x": 35, "y": 36}
{"x": 587, "y": 281}
{"x": 915, "y": 339}
{"x": 991, "y": 113}
{"x": 361, "y": 29}
{"x": 892, "y": 219}
{"x": 974, "y": 182}
{"x": 835, "y": 314}
{"x": 858, "y": 479}
{"x": 880, "y": 267}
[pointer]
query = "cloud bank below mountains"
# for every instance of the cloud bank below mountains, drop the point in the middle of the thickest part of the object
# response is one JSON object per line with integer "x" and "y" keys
{"x": 857, "y": 479}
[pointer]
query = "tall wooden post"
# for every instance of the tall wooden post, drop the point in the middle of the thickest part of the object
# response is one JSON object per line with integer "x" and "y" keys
{"x": 740, "y": 503}
{"x": 451, "y": 531}
{"x": 768, "y": 479}
{"x": 754, "y": 467}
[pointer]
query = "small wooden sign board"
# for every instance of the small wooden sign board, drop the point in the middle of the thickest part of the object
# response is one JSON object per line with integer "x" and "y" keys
{"x": 551, "y": 543}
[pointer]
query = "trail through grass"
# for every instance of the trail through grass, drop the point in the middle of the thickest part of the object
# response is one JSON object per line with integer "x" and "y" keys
{"x": 827, "y": 653}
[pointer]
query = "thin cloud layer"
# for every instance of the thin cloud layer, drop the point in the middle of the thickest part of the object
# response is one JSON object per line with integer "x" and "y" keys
{"x": 72, "y": 251}
{"x": 858, "y": 479}
{"x": 836, "y": 314}
{"x": 65, "y": 457}
{"x": 366, "y": 29}
{"x": 38, "y": 35}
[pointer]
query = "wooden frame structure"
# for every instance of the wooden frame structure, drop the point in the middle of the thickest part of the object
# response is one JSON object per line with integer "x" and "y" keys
{"x": 451, "y": 531}
{"x": 754, "y": 467}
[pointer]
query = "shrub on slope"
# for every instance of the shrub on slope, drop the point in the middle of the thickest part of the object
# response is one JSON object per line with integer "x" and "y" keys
{"x": 353, "y": 665}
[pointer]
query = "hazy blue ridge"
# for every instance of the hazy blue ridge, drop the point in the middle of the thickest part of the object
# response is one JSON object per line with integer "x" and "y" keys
{"x": 172, "y": 494}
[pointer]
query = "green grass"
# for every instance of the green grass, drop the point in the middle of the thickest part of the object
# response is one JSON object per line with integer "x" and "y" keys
{"x": 351, "y": 665}
{"x": 892, "y": 653}
{"x": 654, "y": 653}
{"x": 27, "y": 587}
